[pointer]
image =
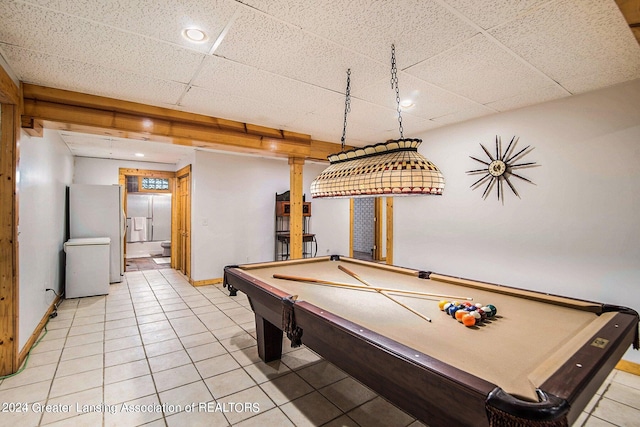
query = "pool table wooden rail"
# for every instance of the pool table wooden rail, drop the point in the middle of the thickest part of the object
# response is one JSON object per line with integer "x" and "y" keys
{"x": 387, "y": 367}
{"x": 431, "y": 390}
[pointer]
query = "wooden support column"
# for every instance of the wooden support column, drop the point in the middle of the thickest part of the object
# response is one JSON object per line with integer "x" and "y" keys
{"x": 296, "y": 166}
{"x": 9, "y": 131}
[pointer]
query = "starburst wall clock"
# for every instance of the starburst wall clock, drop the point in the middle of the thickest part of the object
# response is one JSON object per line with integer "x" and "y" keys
{"x": 500, "y": 168}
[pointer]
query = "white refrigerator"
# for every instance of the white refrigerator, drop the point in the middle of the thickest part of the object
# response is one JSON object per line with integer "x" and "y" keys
{"x": 97, "y": 211}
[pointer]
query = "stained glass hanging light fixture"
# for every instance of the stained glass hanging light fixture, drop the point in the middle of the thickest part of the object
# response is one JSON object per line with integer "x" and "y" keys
{"x": 391, "y": 168}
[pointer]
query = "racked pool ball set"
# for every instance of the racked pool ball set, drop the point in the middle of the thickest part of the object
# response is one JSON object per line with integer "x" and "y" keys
{"x": 467, "y": 313}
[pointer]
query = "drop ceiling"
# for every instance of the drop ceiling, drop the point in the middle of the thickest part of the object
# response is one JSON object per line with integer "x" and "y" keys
{"x": 282, "y": 64}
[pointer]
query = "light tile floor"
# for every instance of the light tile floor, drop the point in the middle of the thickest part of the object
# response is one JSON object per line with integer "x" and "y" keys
{"x": 158, "y": 352}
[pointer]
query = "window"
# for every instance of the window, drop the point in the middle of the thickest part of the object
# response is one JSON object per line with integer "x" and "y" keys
{"x": 155, "y": 184}
{"x": 132, "y": 184}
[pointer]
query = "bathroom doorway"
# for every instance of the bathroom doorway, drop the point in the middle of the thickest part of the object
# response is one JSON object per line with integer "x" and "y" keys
{"x": 149, "y": 208}
{"x": 179, "y": 184}
{"x": 371, "y": 229}
{"x": 364, "y": 228}
{"x": 149, "y": 225}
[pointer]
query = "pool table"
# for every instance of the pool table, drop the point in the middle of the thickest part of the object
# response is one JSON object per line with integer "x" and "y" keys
{"x": 537, "y": 362}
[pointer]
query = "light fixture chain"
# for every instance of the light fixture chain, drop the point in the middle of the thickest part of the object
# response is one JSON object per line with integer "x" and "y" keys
{"x": 347, "y": 106}
{"x": 394, "y": 84}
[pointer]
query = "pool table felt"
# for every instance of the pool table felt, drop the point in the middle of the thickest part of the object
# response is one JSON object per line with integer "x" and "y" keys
{"x": 518, "y": 350}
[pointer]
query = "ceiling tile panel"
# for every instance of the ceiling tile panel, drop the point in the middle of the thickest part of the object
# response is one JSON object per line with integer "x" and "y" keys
{"x": 158, "y": 19}
{"x": 232, "y": 78}
{"x": 419, "y": 28}
{"x": 56, "y": 33}
{"x": 480, "y": 70}
{"x": 529, "y": 98}
{"x": 62, "y": 73}
{"x": 365, "y": 123}
{"x": 414, "y": 126}
{"x": 372, "y": 123}
{"x": 378, "y": 118}
{"x": 601, "y": 78}
{"x": 320, "y": 126}
{"x": 428, "y": 100}
{"x": 267, "y": 44}
{"x": 462, "y": 115}
{"x": 240, "y": 109}
{"x": 569, "y": 40}
{"x": 489, "y": 13}
{"x": 87, "y": 145}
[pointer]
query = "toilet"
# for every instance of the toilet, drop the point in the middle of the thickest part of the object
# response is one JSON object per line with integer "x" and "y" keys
{"x": 166, "y": 248}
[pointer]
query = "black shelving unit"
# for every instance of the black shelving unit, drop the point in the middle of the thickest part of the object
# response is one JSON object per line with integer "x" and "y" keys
{"x": 283, "y": 231}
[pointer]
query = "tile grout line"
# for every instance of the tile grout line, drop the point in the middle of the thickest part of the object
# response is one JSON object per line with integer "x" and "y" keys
{"x": 144, "y": 347}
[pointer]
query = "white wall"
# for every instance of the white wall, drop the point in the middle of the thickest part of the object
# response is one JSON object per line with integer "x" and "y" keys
{"x": 233, "y": 211}
{"x": 329, "y": 217}
{"x": 575, "y": 232}
{"x": 46, "y": 169}
{"x": 89, "y": 170}
{"x": 189, "y": 159}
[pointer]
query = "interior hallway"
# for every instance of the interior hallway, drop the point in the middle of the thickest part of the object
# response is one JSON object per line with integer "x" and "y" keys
{"x": 157, "y": 340}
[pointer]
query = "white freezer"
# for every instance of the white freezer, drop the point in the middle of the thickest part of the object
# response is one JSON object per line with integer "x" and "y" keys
{"x": 87, "y": 267}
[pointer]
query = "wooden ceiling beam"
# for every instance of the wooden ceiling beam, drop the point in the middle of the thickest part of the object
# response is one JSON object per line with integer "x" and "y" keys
{"x": 78, "y": 112}
{"x": 9, "y": 92}
{"x": 631, "y": 11}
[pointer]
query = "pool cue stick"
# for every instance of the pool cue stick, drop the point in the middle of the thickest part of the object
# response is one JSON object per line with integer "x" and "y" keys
{"x": 360, "y": 279}
{"x": 354, "y": 287}
{"x": 373, "y": 288}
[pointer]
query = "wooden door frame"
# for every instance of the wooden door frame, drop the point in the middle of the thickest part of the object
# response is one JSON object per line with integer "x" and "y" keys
{"x": 173, "y": 182}
{"x": 185, "y": 172}
{"x": 378, "y": 228}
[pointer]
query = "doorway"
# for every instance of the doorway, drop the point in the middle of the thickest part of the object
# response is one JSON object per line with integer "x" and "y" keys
{"x": 181, "y": 252}
{"x": 364, "y": 239}
{"x": 371, "y": 228}
{"x": 170, "y": 202}
{"x": 148, "y": 216}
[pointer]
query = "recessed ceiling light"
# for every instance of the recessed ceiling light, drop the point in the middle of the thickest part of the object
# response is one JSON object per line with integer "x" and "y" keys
{"x": 139, "y": 155}
{"x": 194, "y": 35}
{"x": 407, "y": 103}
